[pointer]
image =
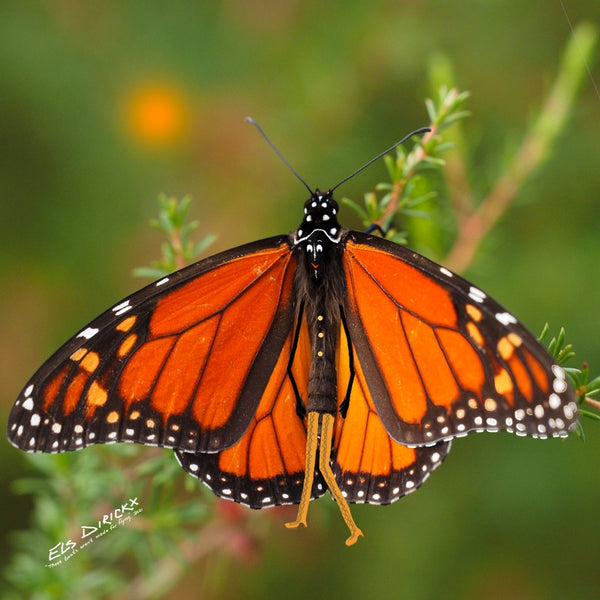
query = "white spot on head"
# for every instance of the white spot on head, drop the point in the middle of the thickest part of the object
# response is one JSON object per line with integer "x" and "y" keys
{"x": 325, "y": 217}
{"x": 162, "y": 281}
{"x": 28, "y": 404}
{"x": 314, "y": 204}
{"x": 505, "y": 318}
{"x": 88, "y": 332}
{"x": 446, "y": 272}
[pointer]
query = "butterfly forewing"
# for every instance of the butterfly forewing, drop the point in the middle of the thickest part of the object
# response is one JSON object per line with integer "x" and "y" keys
{"x": 441, "y": 358}
{"x": 158, "y": 368}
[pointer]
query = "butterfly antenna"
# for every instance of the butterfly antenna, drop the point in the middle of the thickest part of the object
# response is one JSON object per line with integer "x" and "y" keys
{"x": 287, "y": 164}
{"x": 415, "y": 132}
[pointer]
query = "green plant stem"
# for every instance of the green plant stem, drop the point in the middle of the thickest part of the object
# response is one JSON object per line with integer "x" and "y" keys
{"x": 534, "y": 149}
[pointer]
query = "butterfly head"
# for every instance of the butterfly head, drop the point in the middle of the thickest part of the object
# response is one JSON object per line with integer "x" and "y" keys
{"x": 320, "y": 214}
{"x": 318, "y": 232}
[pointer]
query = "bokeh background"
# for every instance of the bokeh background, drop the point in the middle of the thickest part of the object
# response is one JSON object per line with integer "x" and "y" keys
{"x": 105, "y": 104}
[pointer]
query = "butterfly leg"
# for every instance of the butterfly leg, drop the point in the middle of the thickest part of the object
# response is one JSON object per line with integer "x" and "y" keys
{"x": 312, "y": 441}
{"x": 327, "y": 422}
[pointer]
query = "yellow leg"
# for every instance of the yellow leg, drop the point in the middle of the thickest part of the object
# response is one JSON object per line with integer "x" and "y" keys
{"x": 325, "y": 468}
{"x": 312, "y": 441}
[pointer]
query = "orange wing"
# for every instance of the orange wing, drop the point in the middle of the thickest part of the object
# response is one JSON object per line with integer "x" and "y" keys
{"x": 183, "y": 363}
{"x": 266, "y": 466}
{"x": 370, "y": 466}
{"x": 439, "y": 357}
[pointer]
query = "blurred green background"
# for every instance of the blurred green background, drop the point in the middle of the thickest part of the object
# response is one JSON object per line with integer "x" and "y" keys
{"x": 81, "y": 166}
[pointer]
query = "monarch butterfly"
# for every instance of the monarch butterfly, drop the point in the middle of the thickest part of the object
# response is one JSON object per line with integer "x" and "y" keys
{"x": 323, "y": 359}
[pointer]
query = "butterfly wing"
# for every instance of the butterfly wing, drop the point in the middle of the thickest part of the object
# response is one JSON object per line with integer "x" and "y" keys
{"x": 266, "y": 466}
{"x": 370, "y": 466}
{"x": 177, "y": 364}
{"x": 441, "y": 358}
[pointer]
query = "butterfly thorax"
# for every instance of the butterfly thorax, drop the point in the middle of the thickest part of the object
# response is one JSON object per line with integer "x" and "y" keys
{"x": 320, "y": 290}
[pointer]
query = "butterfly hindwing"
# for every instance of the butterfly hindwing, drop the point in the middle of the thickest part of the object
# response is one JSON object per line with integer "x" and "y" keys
{"x": 157, "y": 368}
{"x": 266, "y": 466}
{"x": 369, "y": 465}
{"x": 441, "y": 358}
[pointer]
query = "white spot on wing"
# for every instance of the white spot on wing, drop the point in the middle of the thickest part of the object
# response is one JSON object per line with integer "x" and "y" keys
{"x": 28, "y": 404}
{"x": 162, "y": 281}
{"x": 476, "y": 294}
{"x": 505, "y": 318}
{"x": 88, "y": 332}
{"x": 554, "y": 401}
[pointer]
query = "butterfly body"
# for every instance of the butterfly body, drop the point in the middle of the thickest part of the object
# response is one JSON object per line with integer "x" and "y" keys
{"x": 326, "y": 359}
